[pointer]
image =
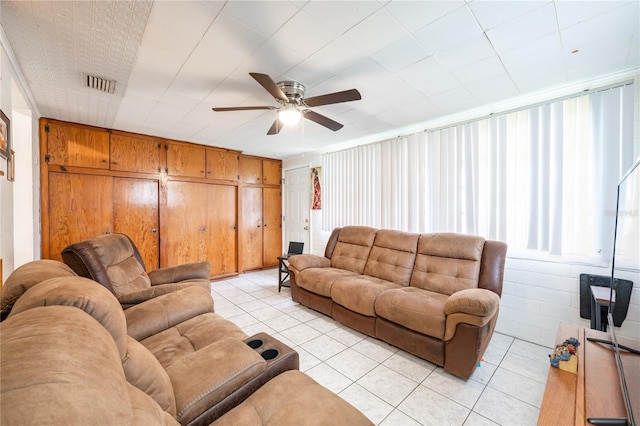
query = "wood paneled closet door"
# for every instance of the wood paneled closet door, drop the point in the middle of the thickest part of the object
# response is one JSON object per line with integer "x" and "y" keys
{"x": 272, "y": 225}
{"x": 252, "y": 238}
{"x": 201, "y": 225}
{"x": 85, "y": 206}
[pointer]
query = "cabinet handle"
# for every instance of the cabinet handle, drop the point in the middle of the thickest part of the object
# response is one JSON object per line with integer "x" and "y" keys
{"x": 203, "y": 228}
{"x": 154, "y": 230}
{"x": 107, "y": 232}
{"x": 258, "y": 226}
{"x": 265, "y": 225}
{"x": 306, "y": 228}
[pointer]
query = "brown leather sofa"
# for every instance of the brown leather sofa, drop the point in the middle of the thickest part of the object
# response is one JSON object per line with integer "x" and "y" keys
{"x": 114, "y": 261}
{"x": 434, "y": 295}
{"x": 69, "y": 354}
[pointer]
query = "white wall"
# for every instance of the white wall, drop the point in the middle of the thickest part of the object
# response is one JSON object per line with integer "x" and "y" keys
{"x": 538, "y": 294}
{"x": 19, "y": 200}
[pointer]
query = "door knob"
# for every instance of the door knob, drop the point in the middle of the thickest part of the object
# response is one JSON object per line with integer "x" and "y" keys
{"x": 154, "y": 230}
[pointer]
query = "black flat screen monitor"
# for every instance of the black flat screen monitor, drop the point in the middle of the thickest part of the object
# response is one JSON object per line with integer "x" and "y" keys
{"x": 626, "y": 260}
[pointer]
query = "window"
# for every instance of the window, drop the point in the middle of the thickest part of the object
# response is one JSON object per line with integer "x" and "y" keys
{"x": 541, "y": 178}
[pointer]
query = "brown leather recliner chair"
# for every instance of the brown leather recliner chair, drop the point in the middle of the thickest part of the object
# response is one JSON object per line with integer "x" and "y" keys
{"x": 114, "y": 261}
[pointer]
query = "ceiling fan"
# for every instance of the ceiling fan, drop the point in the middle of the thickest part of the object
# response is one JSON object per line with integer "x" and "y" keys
{"x": 293, "y": 104}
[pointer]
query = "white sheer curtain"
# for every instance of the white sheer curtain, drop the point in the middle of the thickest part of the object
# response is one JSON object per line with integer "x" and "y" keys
{"x": 542, "y": 179}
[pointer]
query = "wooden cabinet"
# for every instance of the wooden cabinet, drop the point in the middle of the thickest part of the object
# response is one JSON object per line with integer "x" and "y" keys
{"x": 251, "y": 169}
{"x": 271, "y": 172}
{"x": 85, "y": 206}
{"x": 73, "y": 145}
{"x": 261, "y": 227}
{"x": 185, "y": 160}
{"x": 222, "y": 164}
{"x": 201, "y": 225}
{"x": 179, "y": 202}
{"x": 272, "y": 225}
{"x": 134, "y": 153}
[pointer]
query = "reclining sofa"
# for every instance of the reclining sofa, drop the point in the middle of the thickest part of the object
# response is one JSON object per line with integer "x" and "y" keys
{"x": 70, "y": 354}
{"x": 434, "y": 295}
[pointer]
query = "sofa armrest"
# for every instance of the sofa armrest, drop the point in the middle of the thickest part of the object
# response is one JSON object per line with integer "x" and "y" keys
{"x": 301, "y": 262}
{"x": 160, "y": 313}
{"x": 174, "y": 274}
{"x": 474, "y": 306}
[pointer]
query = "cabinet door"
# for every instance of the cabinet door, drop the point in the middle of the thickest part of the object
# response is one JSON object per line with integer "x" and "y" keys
{"x": 250, "y": 169}
{"x": 222, "y": 201}
{"x": 80, "y": 207}
{"x": 185, "y": 231}
{"x": 272, "y": 225}
{"x": 69, "y": 145}
{"x": 271, "y": 172}
{"x": 222, "y": 164}
{"x": 185, "y": 160}
{"x": 134, "y": 153}
{"x": 251, "y": 228}
{"x": 135, "y": 213}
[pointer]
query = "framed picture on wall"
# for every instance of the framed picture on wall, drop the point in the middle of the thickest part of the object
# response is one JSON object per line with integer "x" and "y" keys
{"x": 5, "y": 142}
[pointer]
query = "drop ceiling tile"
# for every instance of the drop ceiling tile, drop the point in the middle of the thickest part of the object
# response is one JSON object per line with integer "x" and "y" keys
{"x": 621, "y": 23}
{"x": 467, "y": 52}
{"x": 573, "y": 12}
{"x": 425, "y": 69}
{"x": 304, "y": 34}
{"x": 337, "y": 55}
{"x": 523, "y": 29}
{"x": 364, "y": 71}
{"x": 594, "y": 58}
{"x": 132, "y": 110}
{"x": 451, "y": 29}
{"x": 272, "y": 58}
{"x": 538, "y": 52}
{"x": 309, "y": 73}
{"x": 165, "y": 30}
{"x": 375, "y": 33}
{"x": 533, "y": 76}
{"x": 494, "y": 88}
{"x": 414, "y": 15}
{"x": 479, "y": 70}
{"x": 456, "y": 100}
{"x": 265, "y": 17}
{"x": 492, "y": 14}
{"x": 341, "y": 16}
{"x": 397, "y": 117}
{"x": 401, "y": 54}
{"x": 436, "y": 84}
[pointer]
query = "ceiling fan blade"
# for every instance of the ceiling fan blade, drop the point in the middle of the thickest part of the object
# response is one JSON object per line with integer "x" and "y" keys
{"x": 247, "y": 108}
{"x": 275, "y": 127}
{"x": 333, "y": 98}
{"x": 270, "y": 85}
{"x": 322, "y": 120}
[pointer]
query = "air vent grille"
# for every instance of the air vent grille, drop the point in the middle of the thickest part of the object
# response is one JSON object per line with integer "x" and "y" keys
{"x": 99, "y": 83}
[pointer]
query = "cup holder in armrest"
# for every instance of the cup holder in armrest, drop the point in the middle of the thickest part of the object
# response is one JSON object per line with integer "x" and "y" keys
{"x": 255, "y": 343}
{"x": 274, "y": 352}
{"x": 270, "y": 354}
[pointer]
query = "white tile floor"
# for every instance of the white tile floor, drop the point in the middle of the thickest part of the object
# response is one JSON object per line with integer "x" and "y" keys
{"x": 388, "y": 385}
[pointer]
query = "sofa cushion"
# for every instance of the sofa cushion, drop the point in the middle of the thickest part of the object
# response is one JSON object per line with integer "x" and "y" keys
{"x": 210, "y": 374}
{"x": 447, "y": 263}
{"x": 392, "y": 256}
{"x": 293, "y": 398}
{"x": 28, "y": 275}
{"x": 53, "y": 376}
{"x": 83, "y": 294}
{"x": 353, "y": 248}
{"x": 416, "y": 309}
{"x": 182, "y": 340}
{"x": 359, "y": 293}
{"x": 144, "y": 372}
{"x": 320, "y": 280}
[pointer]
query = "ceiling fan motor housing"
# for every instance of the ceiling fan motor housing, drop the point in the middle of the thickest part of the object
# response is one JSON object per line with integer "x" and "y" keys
{"x": 293, "y": 90}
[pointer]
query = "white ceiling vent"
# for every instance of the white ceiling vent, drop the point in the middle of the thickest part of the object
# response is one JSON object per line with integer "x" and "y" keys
{"x": 99, "y": 83}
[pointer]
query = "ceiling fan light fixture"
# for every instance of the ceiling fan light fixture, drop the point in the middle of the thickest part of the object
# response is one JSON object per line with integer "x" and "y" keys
{"x": 289, "y": 115}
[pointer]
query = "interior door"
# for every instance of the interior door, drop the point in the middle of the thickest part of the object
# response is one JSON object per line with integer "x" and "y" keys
{"x": 252, "y": 238}
{"x": 222, "y": 228}
{"x": 80, "y": 207}
{"x": 135, "y": 213}
{"x": 297, "y": 204}
{"x": 184, "y": 232}
{"x": 272, "y": 225}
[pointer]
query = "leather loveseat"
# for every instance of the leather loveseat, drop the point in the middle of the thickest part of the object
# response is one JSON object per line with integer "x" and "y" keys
{"x": 69, "y": 354}
{"x": 434, "y": 295}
